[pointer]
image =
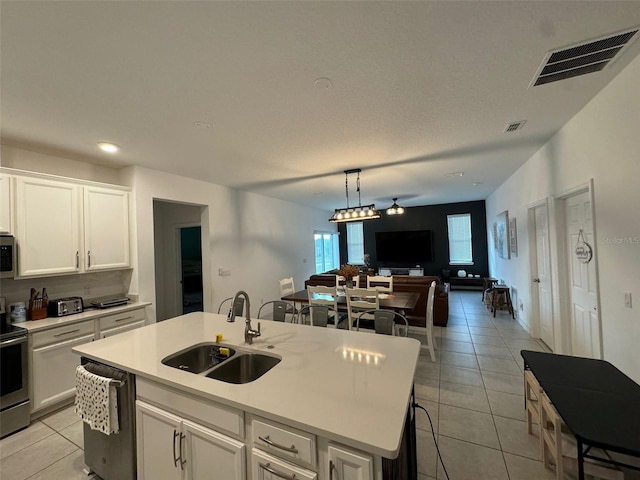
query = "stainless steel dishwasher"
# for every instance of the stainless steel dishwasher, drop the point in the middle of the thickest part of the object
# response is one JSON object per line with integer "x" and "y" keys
{"x": 113, "y": 457}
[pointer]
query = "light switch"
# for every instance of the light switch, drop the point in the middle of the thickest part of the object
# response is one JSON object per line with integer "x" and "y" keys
{"x": 627, "y": 299}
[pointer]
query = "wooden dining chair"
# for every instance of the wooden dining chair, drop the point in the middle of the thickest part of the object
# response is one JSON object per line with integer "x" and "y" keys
{"x": 320, "y": 295}
{"x": 359, "y": 300}
{"x": 380, "y": 283}
{"x": 429, "y": 327}
{"x": 342, "y": 282}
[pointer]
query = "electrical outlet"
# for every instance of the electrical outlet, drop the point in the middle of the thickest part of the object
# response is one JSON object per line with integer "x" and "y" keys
{"x": 522, "y": 306}
{"x": 627, "y": 299}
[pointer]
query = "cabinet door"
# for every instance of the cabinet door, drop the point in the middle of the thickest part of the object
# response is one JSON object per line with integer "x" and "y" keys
{"x": 6, "y": 204}
{"x": 106, "y": 228}
{"x": 206, "y": 451}
{"x": 125, "y": 328}
{"x": 349, "y": 465}
{"x": 54, "y": 372}
{"x": 158, "y": 440}
{"x": 47, "y": 227}
{"x": 269, "y": 467}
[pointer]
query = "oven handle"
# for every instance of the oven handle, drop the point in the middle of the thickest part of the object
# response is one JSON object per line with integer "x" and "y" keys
{"x": 6, "y": 343}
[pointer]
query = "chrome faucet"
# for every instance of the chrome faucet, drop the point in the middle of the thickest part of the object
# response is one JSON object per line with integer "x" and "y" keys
{"x": 249, "y": 332}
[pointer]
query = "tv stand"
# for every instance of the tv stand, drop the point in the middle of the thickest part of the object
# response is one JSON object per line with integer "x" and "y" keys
{"x": 412, "y": 271}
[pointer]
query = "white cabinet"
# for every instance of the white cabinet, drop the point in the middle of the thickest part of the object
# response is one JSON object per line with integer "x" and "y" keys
{"x": 110, "y": 325}
{"x": 106, "y": 228}
{"x": 53, "y": 364}
{"x": 6, "y": 204}
{"x": 346, "y": 464}
{"x": 47, "y": 226}
{"x": 125, "y": 328}
{"x": 170, "y": 447}
{"x": 270, "y": 467}
{"x": 64, "y": 227}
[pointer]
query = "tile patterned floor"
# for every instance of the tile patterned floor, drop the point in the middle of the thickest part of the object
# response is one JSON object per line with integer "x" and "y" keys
{"x": 473, "y": 393}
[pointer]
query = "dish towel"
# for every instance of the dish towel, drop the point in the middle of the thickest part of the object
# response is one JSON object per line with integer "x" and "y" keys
{"x": 96, "y": 401}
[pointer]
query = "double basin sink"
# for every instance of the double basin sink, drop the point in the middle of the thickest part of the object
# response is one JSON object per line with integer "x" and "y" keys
{"x": 222, "y": 362}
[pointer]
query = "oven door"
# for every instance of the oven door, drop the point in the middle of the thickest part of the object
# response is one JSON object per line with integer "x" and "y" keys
{"x": 14, "y": 384}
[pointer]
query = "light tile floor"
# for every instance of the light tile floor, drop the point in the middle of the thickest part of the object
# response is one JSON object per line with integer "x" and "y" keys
{"x": 473, "y": 392}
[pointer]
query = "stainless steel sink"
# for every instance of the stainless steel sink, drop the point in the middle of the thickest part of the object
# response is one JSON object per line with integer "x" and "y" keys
{"x": 198, "y": 358}
{"x": 244, "y": 368}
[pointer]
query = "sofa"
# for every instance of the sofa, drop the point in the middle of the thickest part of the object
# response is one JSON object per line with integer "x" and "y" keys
{"x": 406, "y": 283}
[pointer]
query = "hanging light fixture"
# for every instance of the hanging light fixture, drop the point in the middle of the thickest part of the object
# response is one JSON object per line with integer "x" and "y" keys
{"x": 354, "y": 214}
{"x": 395, "y": 209}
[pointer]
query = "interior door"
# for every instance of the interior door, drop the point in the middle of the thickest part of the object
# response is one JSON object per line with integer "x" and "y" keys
{"x": 543, "y": 275}
{"x": 584, "y": 316}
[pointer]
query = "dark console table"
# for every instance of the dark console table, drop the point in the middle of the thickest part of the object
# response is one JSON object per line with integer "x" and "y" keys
{"x": 599, "y": 403}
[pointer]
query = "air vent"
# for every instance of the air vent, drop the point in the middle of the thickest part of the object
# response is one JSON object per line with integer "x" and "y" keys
{"x": 583, "y": 58}
{"x": 512, "y": 127}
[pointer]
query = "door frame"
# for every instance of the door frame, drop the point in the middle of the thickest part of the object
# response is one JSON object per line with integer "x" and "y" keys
{"x": 177, "y": 228}
{"x": 533, "y": 269}
{"x": 564, "y": 255}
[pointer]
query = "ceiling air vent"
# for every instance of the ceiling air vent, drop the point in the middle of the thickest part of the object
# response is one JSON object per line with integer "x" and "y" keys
{"x": 512, "y": 127}
{"x": 583, "y": 58}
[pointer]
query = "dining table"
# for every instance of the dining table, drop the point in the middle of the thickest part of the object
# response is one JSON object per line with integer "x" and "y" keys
{"x": 400, "y": 302}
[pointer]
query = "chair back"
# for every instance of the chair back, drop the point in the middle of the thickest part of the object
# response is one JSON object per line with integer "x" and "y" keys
{"x": 359, "y": 299}
{"x": 385, "y": 322}
{"x": 238, "y": 306}
{"x": 279, "y": 310}
{"x": 318, "y": 314}
{"x": 341, "y": 281}
{"x": 323, "y": 295}
{"x": 286, "y": 286}
{"x": 380, "y": 283}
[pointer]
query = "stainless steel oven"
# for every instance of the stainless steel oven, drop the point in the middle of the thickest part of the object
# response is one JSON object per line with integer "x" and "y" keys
{"x": 14, "y": 380}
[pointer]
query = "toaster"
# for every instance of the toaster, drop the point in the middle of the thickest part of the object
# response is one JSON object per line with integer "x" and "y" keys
{"x": 65, "y": 306}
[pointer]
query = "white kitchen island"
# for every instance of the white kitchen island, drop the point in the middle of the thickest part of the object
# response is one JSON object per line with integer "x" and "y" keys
{"x": 340, "y": 397}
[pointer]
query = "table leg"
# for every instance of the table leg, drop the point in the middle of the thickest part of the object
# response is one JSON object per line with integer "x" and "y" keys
{"x": 580, "y": 460}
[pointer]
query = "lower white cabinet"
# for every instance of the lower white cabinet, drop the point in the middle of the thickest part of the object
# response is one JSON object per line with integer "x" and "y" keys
{"x": 54, "y": 364}
{"x": 125, "y": 328}
{"x": 346, "y": 464}
{"x": 270, "y": 467}
{"x": 170, "y": 447}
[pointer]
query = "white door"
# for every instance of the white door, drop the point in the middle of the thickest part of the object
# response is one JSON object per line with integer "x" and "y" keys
{"x": 47, "y": 226}
{"x": 106, "y": 228}
{"x": 584, "y": 316}
{"x": 348, "y": 465}
{"x": 543, "y": 275}
{"x": 159, "y": 441}
{"x": 206, "y": 451}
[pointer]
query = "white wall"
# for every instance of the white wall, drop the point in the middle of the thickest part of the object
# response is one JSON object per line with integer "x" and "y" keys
{"x": 259, "y": 239}
{"x": 602, "y": 142}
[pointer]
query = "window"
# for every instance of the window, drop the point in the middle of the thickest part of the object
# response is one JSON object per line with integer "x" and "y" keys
{"x": 355, "y": 243}
{"x": 460, "y": 245}
{"x": 327, "y": 251}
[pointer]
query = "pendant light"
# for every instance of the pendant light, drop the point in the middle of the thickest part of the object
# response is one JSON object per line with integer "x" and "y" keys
{"x": 354, "y": 214}
{"x": 395, "y": 209}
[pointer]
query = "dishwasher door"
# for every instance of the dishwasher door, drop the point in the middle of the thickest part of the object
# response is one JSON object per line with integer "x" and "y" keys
{"x": 113, "y": 457}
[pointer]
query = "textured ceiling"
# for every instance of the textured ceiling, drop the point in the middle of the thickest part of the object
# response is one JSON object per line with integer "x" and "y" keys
{"x": 419, "y": 89}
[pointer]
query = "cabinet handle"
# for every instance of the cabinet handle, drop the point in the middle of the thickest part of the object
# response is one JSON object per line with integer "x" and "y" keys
{"x": 182, "y": 462}
{"x": 66, "y": 333}
{"x": 89, "y": 258}
{"x": 77, "y": 259}
{"x": 331, "y": 467}
{"x": 175, "y": 459}
{"x": 270, "y": 442}
{"x": 123, "y": 318}
{"x": 275, "y": 472}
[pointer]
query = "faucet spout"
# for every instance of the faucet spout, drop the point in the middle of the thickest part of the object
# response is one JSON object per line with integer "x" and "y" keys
{"x": 249, "y": 332}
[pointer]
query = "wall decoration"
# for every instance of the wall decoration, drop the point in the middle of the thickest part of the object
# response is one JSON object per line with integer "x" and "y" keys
{"x": 583, "y": 250}
{"x": 495, "y": 236}
{"x": 502, "y": 224}
{"x": 513, "y": 237}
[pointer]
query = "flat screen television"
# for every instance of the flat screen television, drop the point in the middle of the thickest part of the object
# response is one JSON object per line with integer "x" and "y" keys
{"x": 404, "y": 247}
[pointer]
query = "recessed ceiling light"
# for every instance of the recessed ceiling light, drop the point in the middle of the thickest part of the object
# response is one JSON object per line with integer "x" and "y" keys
{"x": 202, "y": 124}
{"x": 454, "y": 174}
{"x": 108, "y": 147}
{"x": 322, "y": 83}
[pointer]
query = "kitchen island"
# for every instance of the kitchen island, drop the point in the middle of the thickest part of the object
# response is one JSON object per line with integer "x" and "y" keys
{"x": 340, "y": 397}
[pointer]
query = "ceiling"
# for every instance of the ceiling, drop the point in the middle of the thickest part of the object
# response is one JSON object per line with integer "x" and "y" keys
{"x": 418, "y": 89}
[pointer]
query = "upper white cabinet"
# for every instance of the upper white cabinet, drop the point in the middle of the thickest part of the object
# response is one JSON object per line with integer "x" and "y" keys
{"x": 6, "y": 204}
{"x": 47, "y": 226}
{"x": 64, "y": 227}
{"x": 106, "y": 228}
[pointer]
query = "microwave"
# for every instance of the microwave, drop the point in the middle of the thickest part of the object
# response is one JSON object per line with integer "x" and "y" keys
{"x": 7, "y": 256}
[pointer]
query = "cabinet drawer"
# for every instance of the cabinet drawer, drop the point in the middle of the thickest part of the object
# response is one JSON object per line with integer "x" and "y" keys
{"x": 265, "y": 466}
{"x": 284, "y": 441}
{"x": 119, "y": 319}
{"x": 124, "y": 328}
{"x": 61, "y": 334}
{"x": 214, "y": 415}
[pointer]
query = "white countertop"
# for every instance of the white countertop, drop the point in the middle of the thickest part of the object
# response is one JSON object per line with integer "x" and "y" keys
{"x": 319, "y": 386}
{"x": 52, "y": 322}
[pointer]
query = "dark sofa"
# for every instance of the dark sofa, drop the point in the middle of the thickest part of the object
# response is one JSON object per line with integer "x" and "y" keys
{"x": 405, "y": 283}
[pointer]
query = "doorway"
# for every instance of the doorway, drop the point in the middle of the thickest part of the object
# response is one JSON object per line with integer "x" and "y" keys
{"x": 189, "y": 240}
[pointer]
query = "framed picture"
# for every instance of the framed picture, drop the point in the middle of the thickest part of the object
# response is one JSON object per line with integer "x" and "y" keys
{"x": 495, "y": 236}
{"x": 513, "y": 237}
{"x": 502, "y": 224}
